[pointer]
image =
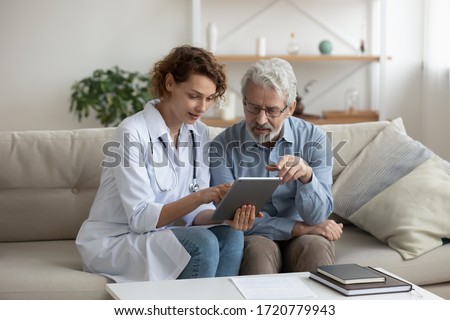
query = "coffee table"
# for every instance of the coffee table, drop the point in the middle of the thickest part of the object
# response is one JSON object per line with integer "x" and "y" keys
{"x": 224, "y": 289}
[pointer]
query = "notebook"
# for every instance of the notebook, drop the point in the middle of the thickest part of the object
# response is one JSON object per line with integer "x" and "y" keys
{"x": 391, "y": 285}
{"x": 350, "y": 273}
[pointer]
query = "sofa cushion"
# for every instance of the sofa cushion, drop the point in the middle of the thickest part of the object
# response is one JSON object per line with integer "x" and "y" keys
{"x": 57, "y": 172}
{"x": 390, "y": 156}
{"x": 47, "y": 270}
{"x": 413, "y": 214}
{"x": 359, "y": 246}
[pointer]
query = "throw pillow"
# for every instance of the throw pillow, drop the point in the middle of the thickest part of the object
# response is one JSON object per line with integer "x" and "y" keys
{"x": 348, "y": 140}
{"x": 387, "y": 158}
{"x": 445, "y": 166}
{"x": 413, "y": 215}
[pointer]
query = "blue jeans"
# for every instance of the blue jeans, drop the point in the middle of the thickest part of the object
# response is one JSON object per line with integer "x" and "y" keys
{"x": 215, "y": 252}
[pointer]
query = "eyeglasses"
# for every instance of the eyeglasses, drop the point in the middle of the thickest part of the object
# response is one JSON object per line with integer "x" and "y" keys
{"x": 271, "y": 112}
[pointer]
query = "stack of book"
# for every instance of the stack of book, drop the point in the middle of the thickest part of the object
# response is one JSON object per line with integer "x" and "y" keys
{"x": 353, "y": 279}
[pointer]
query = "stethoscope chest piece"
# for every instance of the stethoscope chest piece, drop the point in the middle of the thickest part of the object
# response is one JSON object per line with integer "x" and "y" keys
{"x": 193, "y": 186}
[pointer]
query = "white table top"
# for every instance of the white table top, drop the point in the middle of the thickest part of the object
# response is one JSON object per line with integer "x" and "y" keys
{"x": 224, "y": 289}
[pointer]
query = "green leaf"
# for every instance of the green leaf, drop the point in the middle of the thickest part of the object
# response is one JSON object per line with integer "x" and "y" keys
{"x": 113, "y": 95}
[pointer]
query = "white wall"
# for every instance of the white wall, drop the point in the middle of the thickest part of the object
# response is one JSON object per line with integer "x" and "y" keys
{"x": 342, "y": 22}
{"x": 404, "y": 85}
{"x": 46, "y": 45}
{"x": 404, "y": 71}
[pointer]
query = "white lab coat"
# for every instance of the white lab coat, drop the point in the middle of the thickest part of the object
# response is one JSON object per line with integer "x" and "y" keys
{"x": 120, "y": 239}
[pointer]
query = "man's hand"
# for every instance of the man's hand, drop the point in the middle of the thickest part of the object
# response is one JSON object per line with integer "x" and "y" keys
{"x": 291, "y": 168}
{"x": 328, "y": 229}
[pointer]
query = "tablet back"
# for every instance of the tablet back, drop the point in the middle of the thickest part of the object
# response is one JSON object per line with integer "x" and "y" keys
{"x": 246, "y": 190}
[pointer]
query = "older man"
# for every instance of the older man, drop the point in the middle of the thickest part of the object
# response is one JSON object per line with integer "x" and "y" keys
{"x": 294, "y": 233}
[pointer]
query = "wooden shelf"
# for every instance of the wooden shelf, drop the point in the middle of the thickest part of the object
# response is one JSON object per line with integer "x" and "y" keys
{"x": 217, "y": 122}
{"x": 342, "y": 117}
{"x": 328, "y": 117}
{"x": 355, "y": 114}
{"x": 300, "y": 58}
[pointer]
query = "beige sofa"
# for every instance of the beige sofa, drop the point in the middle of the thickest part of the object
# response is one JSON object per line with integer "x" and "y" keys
{"x": 48, "y": 182}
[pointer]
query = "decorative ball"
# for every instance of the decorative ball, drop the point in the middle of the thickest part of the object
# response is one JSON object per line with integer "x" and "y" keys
{"x": 325, "y": 47}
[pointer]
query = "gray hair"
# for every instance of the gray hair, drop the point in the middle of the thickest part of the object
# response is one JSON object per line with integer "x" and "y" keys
{"x": 275, "y": 73}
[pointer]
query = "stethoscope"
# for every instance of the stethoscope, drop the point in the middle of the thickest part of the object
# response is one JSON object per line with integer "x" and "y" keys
{"x": 193, "y": 186}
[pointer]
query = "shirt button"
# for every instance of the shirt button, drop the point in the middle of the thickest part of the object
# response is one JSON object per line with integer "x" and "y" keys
{"x": 75, "y": 190}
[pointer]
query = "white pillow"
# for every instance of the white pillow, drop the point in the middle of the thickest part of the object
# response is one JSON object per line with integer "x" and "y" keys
{"x": 389, "y": 157}
{"x": 413, "y": 215}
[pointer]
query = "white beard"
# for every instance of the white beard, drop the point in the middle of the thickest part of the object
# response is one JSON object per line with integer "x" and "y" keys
{"x": 264, "y": 138}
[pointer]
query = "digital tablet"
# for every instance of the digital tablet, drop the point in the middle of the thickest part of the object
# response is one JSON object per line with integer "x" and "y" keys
{"x": 246, "y": 190}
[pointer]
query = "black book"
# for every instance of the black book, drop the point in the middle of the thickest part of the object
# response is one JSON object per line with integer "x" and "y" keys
{"x": 350, "y": 273}
{"x": 390, "y": 285}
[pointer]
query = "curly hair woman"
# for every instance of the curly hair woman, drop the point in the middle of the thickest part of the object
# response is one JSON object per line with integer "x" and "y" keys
{"x": 155, "y": 173}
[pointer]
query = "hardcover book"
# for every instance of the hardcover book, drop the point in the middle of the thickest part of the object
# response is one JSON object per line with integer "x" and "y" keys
{"x": 350, "y": 273}
{"x": 391, "y": 285}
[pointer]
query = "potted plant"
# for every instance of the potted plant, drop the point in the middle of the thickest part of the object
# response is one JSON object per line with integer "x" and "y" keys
{"x": 113, "y": 94}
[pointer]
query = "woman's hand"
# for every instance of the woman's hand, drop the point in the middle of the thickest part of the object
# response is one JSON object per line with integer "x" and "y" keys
{"x": 177, "y": 209}
{"x": 244, "y": 218}
{"x": 213, "y": 194}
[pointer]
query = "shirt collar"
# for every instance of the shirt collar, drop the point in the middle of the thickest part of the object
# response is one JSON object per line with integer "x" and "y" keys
{"x": 288, "y": 134}
{"x": 156, "y": 125}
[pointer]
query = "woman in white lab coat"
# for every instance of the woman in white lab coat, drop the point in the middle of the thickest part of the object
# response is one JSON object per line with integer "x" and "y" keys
{"x": 156, "y": 172}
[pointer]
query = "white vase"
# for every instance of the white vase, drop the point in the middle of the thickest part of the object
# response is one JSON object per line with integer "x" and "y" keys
{"x": 293, "y": 47}
{"x": 261, "y": 46}
{"x": 228, "y": 110}
{"x": 211, "y": 37}
{"x": 352, "y": 100}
